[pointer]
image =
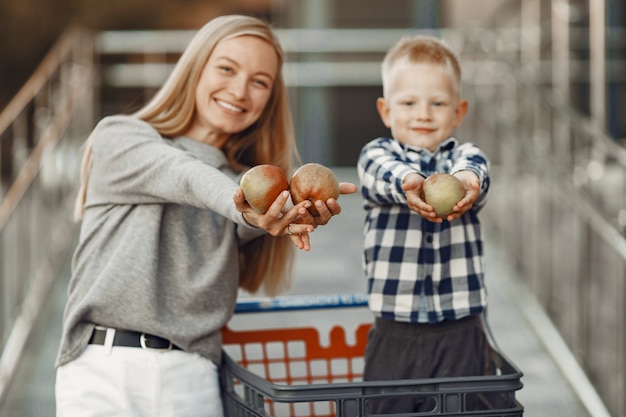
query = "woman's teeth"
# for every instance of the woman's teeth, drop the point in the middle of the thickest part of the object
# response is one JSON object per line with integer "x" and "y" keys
{"x": 229, "y": 106}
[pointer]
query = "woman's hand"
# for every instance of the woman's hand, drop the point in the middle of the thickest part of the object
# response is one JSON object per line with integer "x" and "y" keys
{"x": 329, "y": 208}
{"x": 279, "y": 223}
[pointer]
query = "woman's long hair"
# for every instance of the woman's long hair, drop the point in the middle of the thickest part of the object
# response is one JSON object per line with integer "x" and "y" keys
{"x": 268, "y": 260}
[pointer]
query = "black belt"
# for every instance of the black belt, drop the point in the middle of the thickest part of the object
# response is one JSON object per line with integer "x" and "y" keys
{"x": 129, "y": 338}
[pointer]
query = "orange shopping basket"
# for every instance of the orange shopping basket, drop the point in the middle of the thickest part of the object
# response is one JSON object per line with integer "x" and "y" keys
{"x": 289, "y": 372}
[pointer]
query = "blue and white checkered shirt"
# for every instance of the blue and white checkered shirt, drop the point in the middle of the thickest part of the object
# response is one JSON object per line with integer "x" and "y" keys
{"x": 417, "y": 270}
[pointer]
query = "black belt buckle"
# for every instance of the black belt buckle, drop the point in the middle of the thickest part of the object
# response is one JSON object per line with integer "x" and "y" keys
{"x": 144, "y": 342}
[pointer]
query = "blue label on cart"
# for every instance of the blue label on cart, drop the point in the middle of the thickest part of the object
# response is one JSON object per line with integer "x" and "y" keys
{"x": 301, "y": 302}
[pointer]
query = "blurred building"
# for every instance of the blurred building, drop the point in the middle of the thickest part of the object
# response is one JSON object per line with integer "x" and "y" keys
{"x": 575, "y": 47}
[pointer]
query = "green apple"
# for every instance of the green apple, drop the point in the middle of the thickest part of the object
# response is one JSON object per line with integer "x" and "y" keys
{"x": 442, "y": 192}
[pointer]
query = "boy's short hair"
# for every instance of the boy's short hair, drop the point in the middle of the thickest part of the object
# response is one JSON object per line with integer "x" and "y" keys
{"x": 420, "y": 49}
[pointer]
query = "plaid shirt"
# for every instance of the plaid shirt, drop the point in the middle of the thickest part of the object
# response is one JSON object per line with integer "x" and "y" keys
{"x": 417, "y": 270}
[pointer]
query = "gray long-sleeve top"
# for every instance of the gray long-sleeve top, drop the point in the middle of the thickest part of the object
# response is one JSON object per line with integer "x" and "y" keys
{"x": 158, "y": 248}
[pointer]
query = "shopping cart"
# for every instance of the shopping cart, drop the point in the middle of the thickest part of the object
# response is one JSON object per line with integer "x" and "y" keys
{"x": 291, "y": 371}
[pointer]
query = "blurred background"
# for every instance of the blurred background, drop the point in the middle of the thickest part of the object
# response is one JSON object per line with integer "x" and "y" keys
{"x": 548, "y": 32}
{"x": 546, "y": 84}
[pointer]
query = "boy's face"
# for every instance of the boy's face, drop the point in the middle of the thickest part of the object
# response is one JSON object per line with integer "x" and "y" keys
{"x": 422, "y": 107}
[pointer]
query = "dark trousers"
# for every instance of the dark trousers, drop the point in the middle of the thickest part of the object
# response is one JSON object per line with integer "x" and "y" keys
{"x": 396, "y": 350}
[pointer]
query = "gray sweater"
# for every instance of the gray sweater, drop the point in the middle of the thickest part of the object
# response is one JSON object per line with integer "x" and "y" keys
{"x": 158, "y": 248}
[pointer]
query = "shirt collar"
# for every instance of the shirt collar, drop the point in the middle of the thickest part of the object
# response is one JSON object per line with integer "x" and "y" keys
{"x": 446, "y": 145}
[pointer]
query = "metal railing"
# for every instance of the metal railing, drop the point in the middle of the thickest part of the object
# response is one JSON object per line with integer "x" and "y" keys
{"x": 41, "y": 131}
{"x": 558, "y": 202}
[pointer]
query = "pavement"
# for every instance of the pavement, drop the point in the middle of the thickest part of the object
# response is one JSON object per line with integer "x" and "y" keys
{"x": 333, "y": 266}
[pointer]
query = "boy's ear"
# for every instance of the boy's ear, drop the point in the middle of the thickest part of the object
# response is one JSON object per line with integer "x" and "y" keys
{"x": 383, "y": 110}
{"x": 461, "y": 111}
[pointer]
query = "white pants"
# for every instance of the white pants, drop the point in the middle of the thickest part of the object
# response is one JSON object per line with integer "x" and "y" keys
{"x": 137, "y": 382}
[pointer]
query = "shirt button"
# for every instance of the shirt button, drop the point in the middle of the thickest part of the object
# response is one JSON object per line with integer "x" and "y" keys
{"x": 429, "y": 238}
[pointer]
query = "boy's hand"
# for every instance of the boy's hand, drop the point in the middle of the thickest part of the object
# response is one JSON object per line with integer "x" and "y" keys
{"x": 471, "y": 183}
{"x": 413, "y": 188}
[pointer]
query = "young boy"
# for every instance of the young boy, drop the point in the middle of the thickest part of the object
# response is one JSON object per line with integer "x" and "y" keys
{"x": 425, "y": 273}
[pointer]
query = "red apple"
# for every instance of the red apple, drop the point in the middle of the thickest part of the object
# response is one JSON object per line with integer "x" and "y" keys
{"x": 261, "y": 184}
{"x": 442, "y": 192}
{"x": 313, "y": 182}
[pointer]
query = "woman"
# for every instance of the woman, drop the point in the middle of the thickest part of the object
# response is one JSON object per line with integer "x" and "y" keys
{"x": 167, "y": 237}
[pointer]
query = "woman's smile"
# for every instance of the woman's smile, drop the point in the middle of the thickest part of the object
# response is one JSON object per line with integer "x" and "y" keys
{"x": 229, "y": 106}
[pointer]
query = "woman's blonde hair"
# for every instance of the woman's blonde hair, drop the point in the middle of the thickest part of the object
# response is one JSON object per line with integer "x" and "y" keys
{"x": 268, "y": 260}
